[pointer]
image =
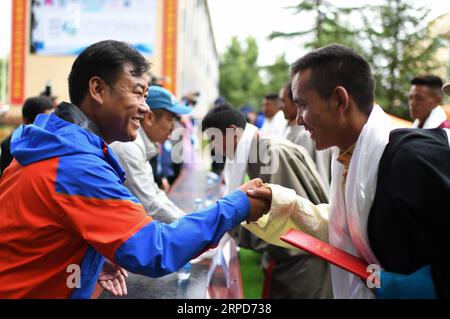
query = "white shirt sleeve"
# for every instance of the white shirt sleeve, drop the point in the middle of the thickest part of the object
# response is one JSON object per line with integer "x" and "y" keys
{"x": 288, "y": 211}
{"x": 140, "y": 181}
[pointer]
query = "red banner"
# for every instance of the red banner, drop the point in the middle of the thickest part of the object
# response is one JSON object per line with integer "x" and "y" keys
{"x": 17, "y": 64}
{"x": 170, "y": 27}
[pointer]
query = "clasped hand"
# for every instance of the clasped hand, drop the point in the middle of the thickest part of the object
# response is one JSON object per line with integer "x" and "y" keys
{"x": 259, "y": 196}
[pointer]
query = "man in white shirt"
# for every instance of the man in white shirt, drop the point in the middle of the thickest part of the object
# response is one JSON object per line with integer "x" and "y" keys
{"x": 134, "y": 156}
{"x": 274, "y": 123}
{"x": 425, "y": 97}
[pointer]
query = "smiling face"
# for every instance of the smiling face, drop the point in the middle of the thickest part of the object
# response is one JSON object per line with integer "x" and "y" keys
{"x": 315, "y": 113}
{"x": 121, "y": 106}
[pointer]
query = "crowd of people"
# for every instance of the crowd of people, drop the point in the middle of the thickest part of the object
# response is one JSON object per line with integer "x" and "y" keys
{"x": 85, "y": 182}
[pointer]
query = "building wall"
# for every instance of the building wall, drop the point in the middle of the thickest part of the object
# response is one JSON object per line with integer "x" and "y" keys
{"x": 197, "y": 61}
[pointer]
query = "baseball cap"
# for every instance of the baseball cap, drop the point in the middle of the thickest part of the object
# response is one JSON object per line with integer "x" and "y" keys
{"x": 446, "y": 88}
{"x": 161, "y": 98}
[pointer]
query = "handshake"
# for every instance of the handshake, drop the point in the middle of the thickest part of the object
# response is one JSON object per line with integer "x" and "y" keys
{"x": 259, "y": 196}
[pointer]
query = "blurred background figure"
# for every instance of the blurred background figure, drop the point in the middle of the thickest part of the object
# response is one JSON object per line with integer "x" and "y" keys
{"x": 249, "y": 113}
{"x": 48, "y": 92}
{"x": 425, "y": 97}
{"x": 298, "y": 135}
{"x": 293, "y": 132}
{"x": 31, "y": 108}
{"x": 274, "y": 123}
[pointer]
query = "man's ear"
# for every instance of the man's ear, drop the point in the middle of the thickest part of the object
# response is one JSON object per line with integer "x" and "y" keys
{"x": 342, "y": 98}
{"x": 97, "y": 89}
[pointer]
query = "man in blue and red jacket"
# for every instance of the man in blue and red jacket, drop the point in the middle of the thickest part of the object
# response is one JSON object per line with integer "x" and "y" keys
{"x": 62, "y": 200}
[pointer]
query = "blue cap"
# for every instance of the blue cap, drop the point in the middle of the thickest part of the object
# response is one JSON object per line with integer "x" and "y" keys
{"x": 161, "y": 98}
{"x": 247, "y": 108}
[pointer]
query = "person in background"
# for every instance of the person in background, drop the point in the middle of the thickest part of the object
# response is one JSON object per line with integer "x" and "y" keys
{"x": 31, "y": 108}
{"x": 48, "y": 92}
{"x": 274, "y": 123}
{"x": 288, "y": 273}
{"x": 249, "y": 113}
{"x": 298, "y": 135}
{"x": 134, "y": 157}
{"x": 424, "y": 99}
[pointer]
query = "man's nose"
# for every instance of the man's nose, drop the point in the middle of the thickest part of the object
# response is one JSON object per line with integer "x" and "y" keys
{"x": 144, "y": 108}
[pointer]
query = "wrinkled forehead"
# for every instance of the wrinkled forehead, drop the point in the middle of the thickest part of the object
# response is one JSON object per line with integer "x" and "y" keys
{"x": 129, "y": 74}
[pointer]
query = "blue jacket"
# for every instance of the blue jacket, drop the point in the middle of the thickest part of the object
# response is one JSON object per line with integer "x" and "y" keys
{"x": 62, "y": 203}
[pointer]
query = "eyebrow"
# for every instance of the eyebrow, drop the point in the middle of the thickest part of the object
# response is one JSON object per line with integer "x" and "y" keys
{"x": 140, "y": 85}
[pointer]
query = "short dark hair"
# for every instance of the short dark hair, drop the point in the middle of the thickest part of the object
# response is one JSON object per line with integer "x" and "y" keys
{"x": 432, "y": 81}
{"x": 271, "y": 96}
{"x": 337, "y": 65}
{"x": 288, "y": 87}
{"x": 36, "y": 105}
{"x": 222, "y": 117}
{"x": 105, "y": 59}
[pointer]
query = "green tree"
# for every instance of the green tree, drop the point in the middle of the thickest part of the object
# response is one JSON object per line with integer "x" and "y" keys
{"x": 240, "y": 80}
{"x": 275, "y": 75}
{"x": 399, "y": 48}
{"x": 328, "y": 27}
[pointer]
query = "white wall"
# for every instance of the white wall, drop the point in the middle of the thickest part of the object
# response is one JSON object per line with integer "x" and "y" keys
{"x": 198, "y": 62}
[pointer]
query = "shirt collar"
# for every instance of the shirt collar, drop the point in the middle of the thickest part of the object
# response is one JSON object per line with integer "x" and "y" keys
{"x": 71, "y": 113}
{"x": 345, "y": 157}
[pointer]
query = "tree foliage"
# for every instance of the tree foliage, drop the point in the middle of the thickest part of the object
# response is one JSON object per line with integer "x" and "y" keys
{"x": 243, "y": 81}
{"x": 399, "y": 47}
{"x": 329, "y": 25}
{"x": 393, "y": 36}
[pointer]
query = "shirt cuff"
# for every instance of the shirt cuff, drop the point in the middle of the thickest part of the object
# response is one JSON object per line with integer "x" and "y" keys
{"x": 241, "y": 204}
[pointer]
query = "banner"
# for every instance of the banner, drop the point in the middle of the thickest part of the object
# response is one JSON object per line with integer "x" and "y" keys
{"x": 67, "y": 27}
{"x": 17, "y": 66}
{"x": 169, "y": 66}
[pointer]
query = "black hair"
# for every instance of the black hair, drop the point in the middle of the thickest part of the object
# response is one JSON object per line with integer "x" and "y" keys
{"x": 337, "y": 65}
{"x": 222, "y": 117}
{"x": 288, "y": 87}
{"x": 271, "y": 96}
{"x": 432, "y": 81}
{"x": 105, "y": 59}
{"x": 34, "y": 106}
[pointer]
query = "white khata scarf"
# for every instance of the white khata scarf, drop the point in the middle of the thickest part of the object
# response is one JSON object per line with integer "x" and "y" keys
{"x": 235, "y": 168}
{"x": 350, "y": 211}
{"x": 436, "y": 117}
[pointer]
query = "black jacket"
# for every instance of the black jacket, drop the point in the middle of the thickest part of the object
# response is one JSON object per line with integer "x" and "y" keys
{"x": 409, "y": 222}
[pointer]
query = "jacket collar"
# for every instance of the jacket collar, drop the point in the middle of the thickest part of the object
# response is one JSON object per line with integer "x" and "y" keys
{"x": 71, "y": 113}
